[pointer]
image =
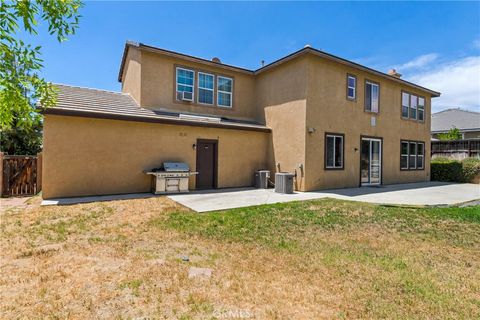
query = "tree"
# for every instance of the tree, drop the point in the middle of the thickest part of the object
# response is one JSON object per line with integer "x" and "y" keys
{"x": 21, "y": 86}
{"x": 452, "y": 134}
{"x": 23, "y": 140}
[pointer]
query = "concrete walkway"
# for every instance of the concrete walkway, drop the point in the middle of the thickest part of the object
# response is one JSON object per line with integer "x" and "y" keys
{"x": 424, "y": 193}
{"x": 113, "y": 197}
{"x": 15, "y": 203}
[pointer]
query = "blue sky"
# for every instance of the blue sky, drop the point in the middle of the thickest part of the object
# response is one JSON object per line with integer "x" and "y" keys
{"x": 434, "y": 44}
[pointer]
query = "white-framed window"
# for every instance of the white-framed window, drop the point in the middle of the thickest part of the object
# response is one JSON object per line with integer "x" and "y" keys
{"x": 334, "y": 151}
{"x": 412, "y": 155}
{"x": 185, "y": 82}
{"x": 372, "y": 95}
{"x": 420, "y": 155}
{"x": 404, "y": 155}
{"x": 413, "y": 106}
{"x": 405, "y": 104}
{"x": 224, "y": 91}
{"x": 351, "y": 87}
{"x": 205, "y": 88}
{"x": 421, "y": 109}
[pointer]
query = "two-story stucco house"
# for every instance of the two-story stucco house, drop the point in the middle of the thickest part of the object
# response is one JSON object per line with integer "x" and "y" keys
{"x": 331, "y": 121}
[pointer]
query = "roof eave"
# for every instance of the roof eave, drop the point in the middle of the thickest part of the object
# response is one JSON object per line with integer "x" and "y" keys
{"x": 114, "y": 116}
{"x": 459, "y": 129}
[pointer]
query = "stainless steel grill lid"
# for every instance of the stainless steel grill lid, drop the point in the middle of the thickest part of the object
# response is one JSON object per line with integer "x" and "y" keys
{"x": 176, "y": 166}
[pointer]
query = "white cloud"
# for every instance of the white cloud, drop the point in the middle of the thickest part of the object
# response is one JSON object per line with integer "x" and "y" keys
{"x": 458, "y": 81}
{"x": 417, "y": 63}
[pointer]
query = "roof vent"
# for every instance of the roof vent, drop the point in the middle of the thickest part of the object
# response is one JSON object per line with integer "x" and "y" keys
{"x": 394, "y": 73}
{"x": 307, "y": 46}
{"x": 216, "y": 60}
{"x": 191, "y": 117}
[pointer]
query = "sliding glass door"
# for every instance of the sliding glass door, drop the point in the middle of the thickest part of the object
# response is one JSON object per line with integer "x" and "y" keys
{"x": 371, "y": 161}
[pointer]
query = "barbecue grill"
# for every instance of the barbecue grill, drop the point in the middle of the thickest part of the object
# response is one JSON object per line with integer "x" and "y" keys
{"x": 172, "y": 177}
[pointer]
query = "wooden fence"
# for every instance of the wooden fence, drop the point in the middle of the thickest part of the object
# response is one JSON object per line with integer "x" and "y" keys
{"x": 20, "y": 175}
{"x": 457, "y": 149}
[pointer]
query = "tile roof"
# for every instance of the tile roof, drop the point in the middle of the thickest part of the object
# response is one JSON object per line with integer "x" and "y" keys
{"x": 95, "y": 103}
{"x": 462, "y": 119}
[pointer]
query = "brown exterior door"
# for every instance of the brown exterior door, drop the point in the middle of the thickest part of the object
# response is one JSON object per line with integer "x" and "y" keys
{"x": 206, "y": 164}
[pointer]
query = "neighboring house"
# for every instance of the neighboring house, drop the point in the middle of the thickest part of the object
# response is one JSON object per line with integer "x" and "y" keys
{"x": 331, "y": 121}
{"x": 468, "y": 122}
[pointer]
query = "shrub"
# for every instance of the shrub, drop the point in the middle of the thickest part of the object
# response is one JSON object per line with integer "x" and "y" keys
{"x": 471, "y": 170}
{"x": 446, "y": 170}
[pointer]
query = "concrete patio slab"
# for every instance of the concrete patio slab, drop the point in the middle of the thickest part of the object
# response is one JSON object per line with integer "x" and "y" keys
{"x": 75, "y": 200}
{"x": 424, "y": 193}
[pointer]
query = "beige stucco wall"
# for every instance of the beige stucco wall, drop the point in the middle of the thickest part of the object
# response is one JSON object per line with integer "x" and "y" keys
{"x": 281, "y": 103}
{"x": 328, "y": 110}
{"x": 84, "y": 156}
{"x": 157, "y": 86}
{"x": 131, "y": 81}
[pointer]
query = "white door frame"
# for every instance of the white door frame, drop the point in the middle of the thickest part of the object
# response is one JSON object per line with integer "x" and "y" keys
{"x": 370, "y": 153}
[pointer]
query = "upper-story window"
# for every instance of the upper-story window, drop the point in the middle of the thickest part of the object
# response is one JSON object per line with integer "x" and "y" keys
{"x": 413, "y": 106}
{"x": 205, "y": 88}
{"x": 372, "y": 95}
{"x": 200, "y": 87}
{"x": 224, "y": 91}
{"x": 351, "y": 87}
{"x": 405, "y": 104}
{"x": 421, "y": 108}
{"x": 185, "y": 83}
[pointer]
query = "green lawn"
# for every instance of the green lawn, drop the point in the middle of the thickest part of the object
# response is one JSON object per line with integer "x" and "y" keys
{"x": 400, "y": 258}
{"x": 290, "y": 225}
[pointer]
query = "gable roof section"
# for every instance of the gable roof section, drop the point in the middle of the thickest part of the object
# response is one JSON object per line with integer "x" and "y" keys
{"x": 464, "y": 120}
{"x": 182, "y": 56}
{"x": 94, "y": 103}
{"x": 294, "y": 55}
{"x": 322, "y": 54}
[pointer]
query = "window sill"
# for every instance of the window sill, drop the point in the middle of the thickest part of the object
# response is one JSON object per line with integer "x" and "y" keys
{"x": 333, "y": 168}
{"x": 202, "y": 105}
{"x": 413, "y": 120}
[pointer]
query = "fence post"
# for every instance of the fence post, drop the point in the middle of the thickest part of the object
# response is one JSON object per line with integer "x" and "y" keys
{"x": 39, "y": 171}
{"x": 1, "y": 173}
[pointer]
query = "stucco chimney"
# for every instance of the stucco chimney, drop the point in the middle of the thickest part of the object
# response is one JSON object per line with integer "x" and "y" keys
{"x": 394, "y": 73}
{"x": 217, "y": 60}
